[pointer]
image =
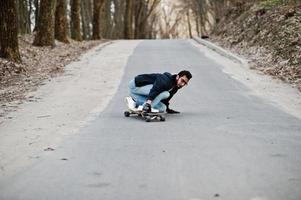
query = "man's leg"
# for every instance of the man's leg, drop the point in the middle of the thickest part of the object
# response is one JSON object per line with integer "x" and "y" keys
{"x": 160, "y": 106}
{"x": 157, "y": 104}
{"x": 139, "y": 94}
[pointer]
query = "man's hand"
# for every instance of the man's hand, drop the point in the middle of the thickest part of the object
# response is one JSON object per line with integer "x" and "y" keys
{"x": 147, "y": 108}
{"x": 171, "y": 111}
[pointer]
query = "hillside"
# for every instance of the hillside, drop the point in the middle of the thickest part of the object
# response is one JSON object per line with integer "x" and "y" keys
{"x": 268, "y": 34}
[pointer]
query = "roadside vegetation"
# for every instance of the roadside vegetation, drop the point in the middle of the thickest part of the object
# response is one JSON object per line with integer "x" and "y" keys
{"x": 266, "y": 32}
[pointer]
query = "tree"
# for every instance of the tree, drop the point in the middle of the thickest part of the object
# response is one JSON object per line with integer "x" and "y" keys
{"x": 189, "y": 24}
{"x": 143, "y": 10}
{"x": 75, "y": 20}
{"x": 86, "y": 13}
{"x": 201, "y": 12}
{"x": 23, "y": 13}
{"x": 61, "y": 22}
{"x": 152, "y": 29}
{"x": 169, "y": 22}
{"x": 45, "y": 28}
{"x": 118, "y": 18}
{"x": 106, "y": 22}
{"x": 37, "y": 9}
{"x": 96, "y": 18}
{"x": 128, "y": 20}
{"x": 9, "y": 47}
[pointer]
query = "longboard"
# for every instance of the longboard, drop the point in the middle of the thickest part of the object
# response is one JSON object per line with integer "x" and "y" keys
{"x": 146, "y": 116}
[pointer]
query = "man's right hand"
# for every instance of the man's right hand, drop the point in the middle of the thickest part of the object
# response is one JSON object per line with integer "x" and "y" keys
{"x": 147, "y": 108}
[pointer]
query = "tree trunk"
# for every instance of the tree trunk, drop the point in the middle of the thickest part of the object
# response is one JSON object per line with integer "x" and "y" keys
{"x": 75, "y": 20}
{"x": 96, "y": 19}
{"x": 61, "y": 22}
{"x": 151, "y": 31}
{"x": 143, "y": 10}
{"x": 23, "y": 19}
{"x": 118, "y": 19}
{"x": 202, "y": 17}
{"x": 138, "y": 17}
{"x": 197, "y": 23}
{"x": 37, "y": 10}
{"x": 45, "y": 29}
{"x": 106, "y": 21}
{"x": 189, "y": 24}
{"x": 30, "y": 13}
{"x": 9, "y": 47}
{"x": 86, "y": 10}
{"x": 128, "y": 20}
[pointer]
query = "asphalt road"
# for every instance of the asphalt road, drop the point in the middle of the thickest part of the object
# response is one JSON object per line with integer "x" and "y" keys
{"x": 225, "y": 144}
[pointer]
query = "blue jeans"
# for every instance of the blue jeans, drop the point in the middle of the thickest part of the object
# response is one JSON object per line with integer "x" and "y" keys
{"x": 140, "y": 94}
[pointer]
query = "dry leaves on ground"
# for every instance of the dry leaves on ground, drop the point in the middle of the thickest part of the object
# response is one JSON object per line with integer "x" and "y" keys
{"x": 38, "y": 65}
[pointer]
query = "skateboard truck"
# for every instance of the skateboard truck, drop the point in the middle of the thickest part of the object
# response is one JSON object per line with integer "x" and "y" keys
{"x": 154, "y": 115}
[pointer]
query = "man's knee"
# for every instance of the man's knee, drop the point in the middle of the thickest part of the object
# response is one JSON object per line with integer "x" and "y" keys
{"x": 132, "y": 84}
{"x": 164, "y": 95}
{"x": 163, "y": 108}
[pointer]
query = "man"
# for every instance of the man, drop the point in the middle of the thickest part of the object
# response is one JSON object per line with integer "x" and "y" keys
{"x": 155, "y": 90}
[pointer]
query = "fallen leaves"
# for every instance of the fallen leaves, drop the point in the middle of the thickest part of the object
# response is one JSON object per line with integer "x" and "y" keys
{"x": 269, "y": 37}
{"x": 49, "y": 149}
{"x": 38, "y": 64}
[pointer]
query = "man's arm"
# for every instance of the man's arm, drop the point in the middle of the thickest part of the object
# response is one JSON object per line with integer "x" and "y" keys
{"x": 161, "y": 84}
{"x": 166, "y": 102}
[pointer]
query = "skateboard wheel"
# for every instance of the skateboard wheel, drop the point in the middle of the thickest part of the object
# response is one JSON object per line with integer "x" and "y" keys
{"x": 126, "y": 113}
{"x": 162, "y": 118}
{"x": 147, "y": 119}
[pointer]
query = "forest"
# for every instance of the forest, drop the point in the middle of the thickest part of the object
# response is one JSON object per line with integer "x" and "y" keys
{"x": 79, "y": 20}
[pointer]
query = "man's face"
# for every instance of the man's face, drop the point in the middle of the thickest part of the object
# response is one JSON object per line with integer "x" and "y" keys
{"x": 182, "y": 81}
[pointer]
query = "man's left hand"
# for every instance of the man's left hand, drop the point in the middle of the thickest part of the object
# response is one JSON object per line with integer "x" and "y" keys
{"x": 171, "y": 111}
{"x": 147, "y": 108}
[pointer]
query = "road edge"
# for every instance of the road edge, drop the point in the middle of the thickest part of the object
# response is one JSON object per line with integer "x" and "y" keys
{"x": 222, "y": 51}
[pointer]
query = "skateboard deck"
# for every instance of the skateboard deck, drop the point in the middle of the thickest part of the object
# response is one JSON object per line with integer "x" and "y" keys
{"x": 146, "y": 116}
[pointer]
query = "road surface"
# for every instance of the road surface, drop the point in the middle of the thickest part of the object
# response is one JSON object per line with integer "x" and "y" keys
{"x": 226, "y": 143}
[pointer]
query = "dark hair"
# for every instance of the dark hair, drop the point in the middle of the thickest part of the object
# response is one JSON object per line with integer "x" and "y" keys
{"x": 185, "y": 73}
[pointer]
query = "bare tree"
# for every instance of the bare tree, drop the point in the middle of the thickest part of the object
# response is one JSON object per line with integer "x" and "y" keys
{"x": 96, "y": 18}
{"x": 23, "y": 16}
{"x": 9, "y": 47}
{"x": 201, "y": 12}
{"x": 86, "y": 13}
{"x": 189, "y": 24}
{"x": 128, "y": 20}
{"x": 75, "y": 20}
{"x": 152, "y": 31}
{"x": 106, "y": 20}
{"x": 45, "y": 28}
{"x": 143, "y": 10}
{"x": 119, "y": 10}
{"x": 61, "y": 22}
{"x": 37, "y": 9}
{"x": 173, "y": 20}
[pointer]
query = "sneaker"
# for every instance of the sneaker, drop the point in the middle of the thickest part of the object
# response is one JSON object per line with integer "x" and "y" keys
{"x": 140, "y": 108}
{"x": 130, "y": 102}
{"x": 155, "y": 110}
